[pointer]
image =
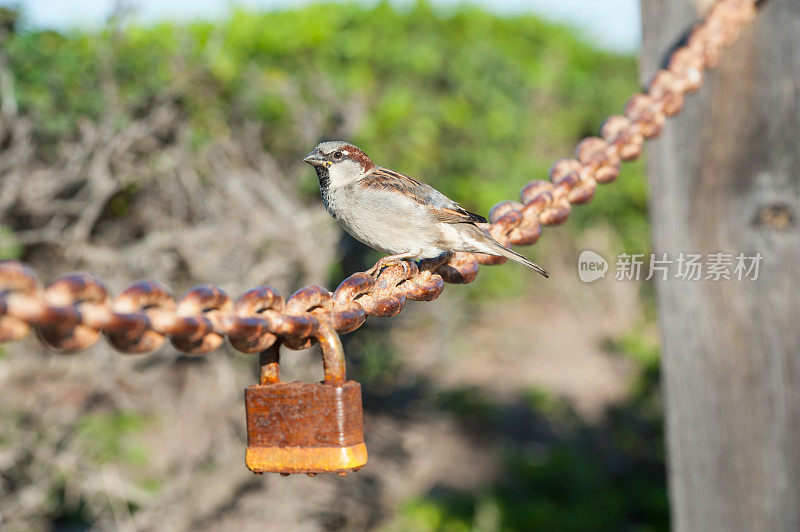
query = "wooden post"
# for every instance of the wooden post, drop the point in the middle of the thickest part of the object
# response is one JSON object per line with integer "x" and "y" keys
{"x": 725, "y": 177}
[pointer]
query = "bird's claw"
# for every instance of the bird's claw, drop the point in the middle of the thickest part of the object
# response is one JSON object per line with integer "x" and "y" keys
{"x": 376, "y": 269}
{"x": 383, "y": 262}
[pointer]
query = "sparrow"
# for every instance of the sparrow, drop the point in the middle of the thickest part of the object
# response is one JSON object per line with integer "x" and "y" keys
{"x": 397, "y": 214}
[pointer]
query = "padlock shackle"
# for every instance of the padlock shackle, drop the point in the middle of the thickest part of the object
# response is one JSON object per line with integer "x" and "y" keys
{"x": 269, "y": 363}
{"x": 332, "y": 357}
{"x": 332, "y": 353}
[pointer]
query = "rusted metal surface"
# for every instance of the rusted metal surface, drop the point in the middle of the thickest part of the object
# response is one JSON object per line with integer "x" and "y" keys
{"x": 305, "y": 427}
{"x": 71, "y": 312}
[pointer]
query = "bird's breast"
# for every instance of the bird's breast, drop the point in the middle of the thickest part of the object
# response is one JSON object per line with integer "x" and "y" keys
{"x": 381, "y": 221}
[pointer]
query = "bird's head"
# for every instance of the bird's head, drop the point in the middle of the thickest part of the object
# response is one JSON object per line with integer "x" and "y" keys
{"x": 338, "y": 163}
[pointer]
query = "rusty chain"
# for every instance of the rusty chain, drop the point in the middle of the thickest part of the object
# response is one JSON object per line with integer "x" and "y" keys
{"x": 70, "y": 313}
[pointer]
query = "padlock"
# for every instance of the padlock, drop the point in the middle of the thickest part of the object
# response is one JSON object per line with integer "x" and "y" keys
{"x": 303, "y": 427}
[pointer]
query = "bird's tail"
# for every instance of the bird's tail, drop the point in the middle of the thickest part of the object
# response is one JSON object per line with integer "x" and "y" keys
{"x": 499, "y": 249}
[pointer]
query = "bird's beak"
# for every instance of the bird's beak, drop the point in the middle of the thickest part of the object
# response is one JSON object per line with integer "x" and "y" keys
{"x": 316, "y": 159}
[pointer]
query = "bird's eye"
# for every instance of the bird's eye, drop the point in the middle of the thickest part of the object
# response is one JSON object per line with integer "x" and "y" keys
{"x": 338, "y": 155}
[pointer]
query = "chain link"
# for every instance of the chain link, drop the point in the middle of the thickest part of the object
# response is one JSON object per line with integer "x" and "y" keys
{"x": 71, "y": 313}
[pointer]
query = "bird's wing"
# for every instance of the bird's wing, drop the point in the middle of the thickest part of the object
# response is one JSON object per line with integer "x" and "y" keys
{"x": 441, "y": 207}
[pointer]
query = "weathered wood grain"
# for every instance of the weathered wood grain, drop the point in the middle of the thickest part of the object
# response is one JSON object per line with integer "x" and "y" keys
{"x": 725, "y": 177}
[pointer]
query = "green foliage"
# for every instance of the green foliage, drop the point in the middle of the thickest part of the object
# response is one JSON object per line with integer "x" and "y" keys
{"x": 501, "y": 283}
{"x": 65, "y": 512}
{"x": 57, "y": 79}
{"x": 549, "y": 405}
{"x": 642, "y": 346}
{"x": 113, "y": 437}
{"x": 120, "y": 203}
{"x": 151, "y": 485}
{"x": 467, "y": 403}
{"x": 639, "y": 345}
{"x": 10, "y": 248}
{"x": 476, "y": 104}
{"x": 376, "y": 362}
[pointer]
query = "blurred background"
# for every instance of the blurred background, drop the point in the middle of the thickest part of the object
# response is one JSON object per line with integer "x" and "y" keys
{"x": 163, "y": 140}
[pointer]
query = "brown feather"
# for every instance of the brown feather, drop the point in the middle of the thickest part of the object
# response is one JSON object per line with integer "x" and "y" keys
{"x": 441, "y": 207}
